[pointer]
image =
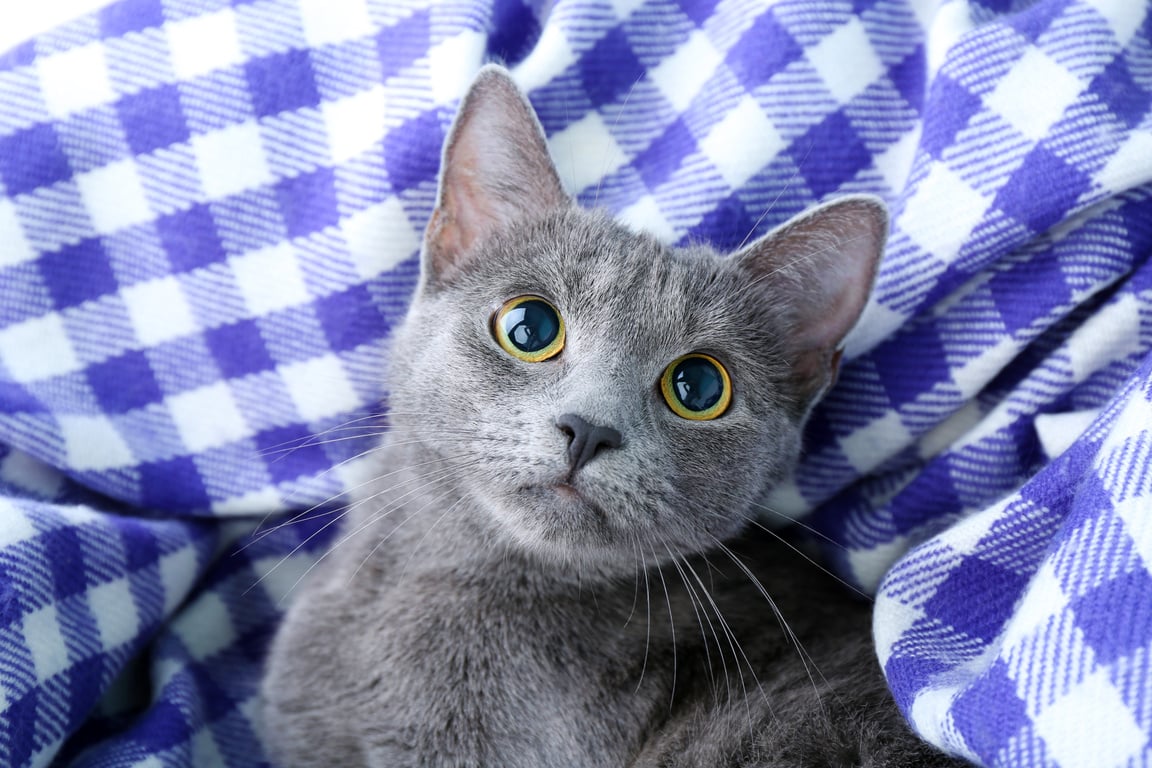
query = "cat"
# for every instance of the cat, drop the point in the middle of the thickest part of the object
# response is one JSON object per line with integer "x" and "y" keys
{"x": 559, "y": 564}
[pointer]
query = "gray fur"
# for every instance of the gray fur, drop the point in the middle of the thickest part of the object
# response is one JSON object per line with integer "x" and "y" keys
{"x": 480, "y": 612}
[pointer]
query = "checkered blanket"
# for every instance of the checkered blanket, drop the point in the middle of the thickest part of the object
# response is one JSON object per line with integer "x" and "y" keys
{"x": 209, "y": 215}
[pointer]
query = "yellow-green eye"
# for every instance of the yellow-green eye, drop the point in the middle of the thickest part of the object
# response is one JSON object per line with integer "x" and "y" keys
{"x": 696, "y": 387}
{"x": 529, "y": 328}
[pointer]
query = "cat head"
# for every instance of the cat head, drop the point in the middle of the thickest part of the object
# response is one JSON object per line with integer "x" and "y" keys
{"x": 604, "y": 396}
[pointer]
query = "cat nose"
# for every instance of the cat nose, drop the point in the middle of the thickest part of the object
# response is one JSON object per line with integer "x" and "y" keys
{"x": 585, "y": 439}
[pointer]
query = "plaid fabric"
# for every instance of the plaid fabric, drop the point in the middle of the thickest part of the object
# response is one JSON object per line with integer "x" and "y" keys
{"x": 209, "y": 215}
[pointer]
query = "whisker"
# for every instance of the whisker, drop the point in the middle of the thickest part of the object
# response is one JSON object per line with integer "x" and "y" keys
{"x": 672, "y": 627}
{"x": 779, "y": 194}
{"x": 648, "y": 614}
{"x": 692, "y": 599}
{"x": 343, "y": 514}
{"x": 257, "y": 534}
{"x": 736, "y": 647}
{"x": 392, "y": 507}
{"x": 805, "y": 658}
{"x": 615, "y": 122}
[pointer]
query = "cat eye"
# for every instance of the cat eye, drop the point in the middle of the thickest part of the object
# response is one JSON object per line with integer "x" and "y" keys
{"x": 696, "y": 387}
{"x": 529, "y": 328}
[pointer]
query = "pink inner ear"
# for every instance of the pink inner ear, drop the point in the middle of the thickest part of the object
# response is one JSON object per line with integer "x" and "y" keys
{"x": 822, "y": 264}
{"x": 496, "y": 170}
{"x": 841, "y": 283}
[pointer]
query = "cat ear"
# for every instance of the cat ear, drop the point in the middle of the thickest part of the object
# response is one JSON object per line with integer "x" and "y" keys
{"x": 495, "y": 170}
{"x": 822, "y": 263}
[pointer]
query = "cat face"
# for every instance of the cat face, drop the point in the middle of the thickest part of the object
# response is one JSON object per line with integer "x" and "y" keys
{"x": 606, "y": 398}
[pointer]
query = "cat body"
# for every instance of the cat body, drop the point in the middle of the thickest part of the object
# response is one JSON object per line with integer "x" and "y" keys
{"x": 558, "y": 563}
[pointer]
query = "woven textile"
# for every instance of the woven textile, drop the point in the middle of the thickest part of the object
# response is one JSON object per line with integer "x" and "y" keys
{"x": 209, "y": 220}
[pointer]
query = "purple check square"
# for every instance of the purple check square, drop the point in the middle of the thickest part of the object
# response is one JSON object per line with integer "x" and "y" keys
{"x": 956, "y": 106}
{"x": 21, "y": 718}
{"x": 976, "y": 597}
{"x": 906, "y": 671}
{"x": 86, "y": 679}
{"x": 77, "y": 273}
{"x": 126, "y": 16}
{"x": 763, "y": 51}
{"x": 162, "y": 727}
{"x": 172, "y": 484}
{"x": 282, "y": 82}
{"x": 1116, "y": 616}
{"x": 190, "y": 238}
{"x": 698, "y": 10}
{"x": 610, "y": 70}
{"x": 124, "y": 383}
{"x": 350, "y": 318}
{"x": 515, "y": 30}
{"x": 399, "y": 45}
{"x": 412, "y": 151}
{"x": 726, "y": 225}
{"x": 62, "y": 549}
{"x": 308, "y": 201}
{"x": 20, "y": 56}
{"x": 152, "y": 119}
{"x": 830, "y": 154}
{"x": 32, "y": 158}
{"x": 239, "y": 349}
{"x": 992, "y": 702}
{"x": 1042, "y": 190}
{"x": 1041, "y": 280}
{"x": 140, "y": 545}
{"x": 1116, "y": 88}
{"x": 291, "y": 452}
{"x": 902, "y": 382}
{"x": 664, "y": 155}
{"x": 908, "y": 76}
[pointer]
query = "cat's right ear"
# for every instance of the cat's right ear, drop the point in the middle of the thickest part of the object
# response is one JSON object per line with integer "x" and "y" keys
{"x": 495, "y": 171}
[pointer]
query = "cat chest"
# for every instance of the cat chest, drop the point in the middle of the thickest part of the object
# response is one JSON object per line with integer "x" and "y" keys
{"x": 506, "y": 681}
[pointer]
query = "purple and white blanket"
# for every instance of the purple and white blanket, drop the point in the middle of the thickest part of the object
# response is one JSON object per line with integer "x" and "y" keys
{"x": 209, "y": 219}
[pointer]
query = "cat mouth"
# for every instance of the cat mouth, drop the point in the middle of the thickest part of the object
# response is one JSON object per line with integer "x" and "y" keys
{"x": 568, "y": 491}
{"x": 572, "y": 501}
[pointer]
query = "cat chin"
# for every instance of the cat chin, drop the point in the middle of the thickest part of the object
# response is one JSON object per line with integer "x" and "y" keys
{"x": 562, "y": 525}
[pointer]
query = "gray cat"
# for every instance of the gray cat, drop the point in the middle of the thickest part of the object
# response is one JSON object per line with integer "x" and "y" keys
{"x": 558, "y": 565}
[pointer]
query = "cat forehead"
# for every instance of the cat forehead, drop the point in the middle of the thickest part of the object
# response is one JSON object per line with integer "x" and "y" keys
{"x": 597, "y": 267}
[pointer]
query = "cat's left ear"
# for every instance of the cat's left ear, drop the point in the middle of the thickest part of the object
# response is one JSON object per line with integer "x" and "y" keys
{"x": 822, "y": 263}
{"x": 495, "y": 171}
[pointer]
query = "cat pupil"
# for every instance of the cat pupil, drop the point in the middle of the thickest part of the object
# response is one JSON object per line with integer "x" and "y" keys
{"x": 532, "y": 325}
{"x": 698, "y": 384}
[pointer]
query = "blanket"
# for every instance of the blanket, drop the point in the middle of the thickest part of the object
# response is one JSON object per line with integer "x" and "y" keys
{"x": 209, "y": 218}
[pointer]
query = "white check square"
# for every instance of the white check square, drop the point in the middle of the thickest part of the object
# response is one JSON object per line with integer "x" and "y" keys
{"x": 202, "y": 44}
{"x": 37, "y": 349}
{"x": 1034, "y": 94}
{"x": 270, "y": 279}
{"x": 114, "y": 608}
{"x": 231, "y": 160}
{"x": 681, "y": 75}
{"x": 742, "y": 143}
{"x": 319, "y": 387}
{"x": 846, "y": 61}
{"x": 334, "y": 21}
{"x": 75, "y": 80}
{"x": 114, "y": 197}
{"x": 585, "y": 152}
{"x": 207, "y": 417}
{"x": 942, "y": 212}
{"x": 158, "y": 310}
